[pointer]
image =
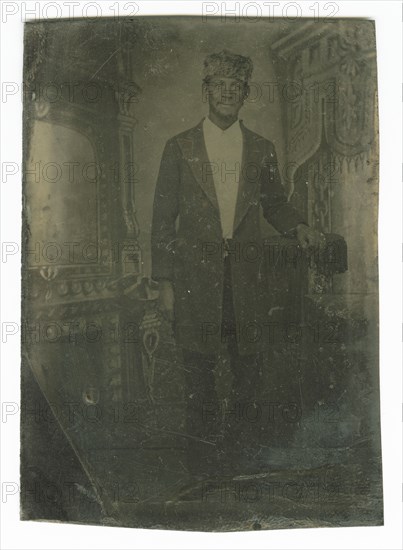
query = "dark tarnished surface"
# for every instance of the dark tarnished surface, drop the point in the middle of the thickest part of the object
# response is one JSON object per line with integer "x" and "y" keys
{"x": 104, "y": 438}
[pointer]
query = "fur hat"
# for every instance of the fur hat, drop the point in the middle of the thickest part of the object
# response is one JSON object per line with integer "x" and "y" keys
{"x": 229, "y": 65}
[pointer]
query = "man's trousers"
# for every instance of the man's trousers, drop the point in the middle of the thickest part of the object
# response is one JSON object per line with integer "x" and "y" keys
{"x": 214, "y": 428}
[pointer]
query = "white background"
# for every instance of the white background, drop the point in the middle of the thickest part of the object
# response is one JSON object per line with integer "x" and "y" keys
{"x": 24, "y": 535}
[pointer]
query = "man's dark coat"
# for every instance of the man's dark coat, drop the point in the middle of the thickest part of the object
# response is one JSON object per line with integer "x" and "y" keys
{"x": 187, "y": 244}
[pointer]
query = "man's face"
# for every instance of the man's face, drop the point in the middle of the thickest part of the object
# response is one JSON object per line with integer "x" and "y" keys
{"x": 225, "y": 95}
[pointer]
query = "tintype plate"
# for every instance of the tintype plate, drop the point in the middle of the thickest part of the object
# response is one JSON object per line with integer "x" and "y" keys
{"x": 200, "y": 278}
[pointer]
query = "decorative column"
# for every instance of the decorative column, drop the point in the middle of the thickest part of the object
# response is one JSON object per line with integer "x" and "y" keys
{"x": 328, "y": 79}
{"x": 327, "y": 73}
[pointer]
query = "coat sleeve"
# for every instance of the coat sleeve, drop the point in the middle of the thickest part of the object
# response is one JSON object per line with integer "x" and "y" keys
{"x": 276, "y": 208}
{"x": 165, "y": 213}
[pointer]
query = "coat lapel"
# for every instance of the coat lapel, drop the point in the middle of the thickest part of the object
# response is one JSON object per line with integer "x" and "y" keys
{"x": 250, "y": 175}
{"x": 195, "y": 153}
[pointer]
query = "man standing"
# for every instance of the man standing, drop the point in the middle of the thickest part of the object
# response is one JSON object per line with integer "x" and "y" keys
{"x": 207, "y": 249}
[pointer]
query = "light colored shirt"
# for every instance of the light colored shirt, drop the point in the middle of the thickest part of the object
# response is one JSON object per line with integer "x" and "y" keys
{"x": 224, "y": 150}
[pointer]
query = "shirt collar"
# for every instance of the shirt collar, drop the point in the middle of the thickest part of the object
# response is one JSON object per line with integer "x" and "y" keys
{"x": 213, "y": 129}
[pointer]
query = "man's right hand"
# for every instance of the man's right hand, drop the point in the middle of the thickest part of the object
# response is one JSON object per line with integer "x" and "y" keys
{"x": 167, "y": 299}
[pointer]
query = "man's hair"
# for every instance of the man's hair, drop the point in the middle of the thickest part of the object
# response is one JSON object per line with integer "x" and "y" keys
{"x": 228, "y": 64}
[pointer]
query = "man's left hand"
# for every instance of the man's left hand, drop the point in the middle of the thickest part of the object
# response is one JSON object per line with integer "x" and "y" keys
{"x": 308, "y": 237}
